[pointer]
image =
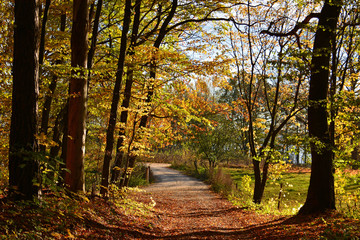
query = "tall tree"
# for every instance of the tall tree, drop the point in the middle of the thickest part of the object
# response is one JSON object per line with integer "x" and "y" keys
{"x": 76, "y": 133}
{"x": 43, "y": 31}
{"x": 45, "y": 116}
{"x": 95, "y": 33}
{"x": 127, "y": 92}
{"x": 150, "y": 88}
{"x": 270, "y": 97}
{"x": 321, "y": 194}
{"x": 115, "y": 101}
{"x": 23, "y": 165}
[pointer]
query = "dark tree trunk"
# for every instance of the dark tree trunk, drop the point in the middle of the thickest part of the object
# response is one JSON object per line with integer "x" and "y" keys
{"x": 321, "y": 195}
{"x": 52, "y": 87}
{"x": 131, "y": 164}
{"x": 43, "y": 31}
{"x": 57, "y": 130}
{"x": 64, "y": 145}
{"x": 260, "y": 178}
{"x": 115, "y": 101}
{"x": 94, "y": 36}
{"x": 127, "y": 95}
{"x": 130, "y": 160}
{"x": 47, "y": 104}
{"x": 116, "y": 170}
{"x": 23, "y": 166}
{"x": 75, "y": 151}
{"x": 257, "y": 188}
{"x": 46, "y": 109}
{"x": 355, "y": 156}
{"x": 54, "y": 151}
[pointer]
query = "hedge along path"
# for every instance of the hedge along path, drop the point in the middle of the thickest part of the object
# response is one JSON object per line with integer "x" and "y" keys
{"x": 186, "y": 208}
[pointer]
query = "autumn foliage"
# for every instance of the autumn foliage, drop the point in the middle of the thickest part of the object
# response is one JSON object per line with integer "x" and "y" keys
{"x": 89, "y": 88}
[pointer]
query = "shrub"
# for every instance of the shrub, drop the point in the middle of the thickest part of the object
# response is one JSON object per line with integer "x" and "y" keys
{"x": 221, "y": 182}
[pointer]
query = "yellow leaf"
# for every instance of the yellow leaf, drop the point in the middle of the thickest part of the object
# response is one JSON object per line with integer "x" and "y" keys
{"x": 69, "y": 234}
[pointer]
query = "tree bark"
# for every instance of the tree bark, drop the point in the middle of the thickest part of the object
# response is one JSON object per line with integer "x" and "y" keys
{"x": 321, "y": 195}
{"x": 115, "y": 101}
{"x": 23, "y": 165}
{"x": 74, "y": 179}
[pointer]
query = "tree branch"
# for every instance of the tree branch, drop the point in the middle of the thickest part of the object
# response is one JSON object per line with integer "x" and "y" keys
{"x": 294, "y": 30}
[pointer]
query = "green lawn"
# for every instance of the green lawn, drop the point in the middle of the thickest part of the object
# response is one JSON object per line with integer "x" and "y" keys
{"x": 295, "y": 186}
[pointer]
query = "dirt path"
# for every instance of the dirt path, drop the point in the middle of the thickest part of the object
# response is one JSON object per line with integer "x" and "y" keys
{"x": 187, "y": 209}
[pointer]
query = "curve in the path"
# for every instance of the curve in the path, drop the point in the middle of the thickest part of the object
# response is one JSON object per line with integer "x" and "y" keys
{"x": 186, "y": 208}
{"x": 177, "y": 184}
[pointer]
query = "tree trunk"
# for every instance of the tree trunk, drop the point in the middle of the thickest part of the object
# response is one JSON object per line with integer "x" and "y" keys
{"x": 64, "y": 146}
{"x": 260, "y": 179}
{"x": 321, "y": 195}
{"x": 127, "y": 95}
{"x": 116, "y": 170}
{"x": 94, "y": 36}
{"x": 46, "y": 109}
{"x": 129, "y": 161}
{"x": 355, "y": 156}
{"x": 257, "y": 187}
{"x": 43, "y": 32}
{"x": 75, "y": 152}
{"x": 128, "y": 170}
{"x": 23, "y": 165}
{"x": 52, "y": 87}
{"x": 57, "y": 130}
{"x": 115, "y": 101}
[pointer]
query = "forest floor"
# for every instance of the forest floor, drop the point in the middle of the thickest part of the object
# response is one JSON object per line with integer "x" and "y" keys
{"x": 174, "y": 207}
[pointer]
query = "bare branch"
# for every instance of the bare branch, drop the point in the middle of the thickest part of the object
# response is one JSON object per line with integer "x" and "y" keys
{"x": 294, "y": 30}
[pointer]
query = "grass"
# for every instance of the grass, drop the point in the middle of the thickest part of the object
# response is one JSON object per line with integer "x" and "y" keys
{"x": 294, "y": 191}
{"x": 294, "y": 186}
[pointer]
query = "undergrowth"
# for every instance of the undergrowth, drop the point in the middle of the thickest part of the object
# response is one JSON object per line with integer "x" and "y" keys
{"x": 120, "y": 197}
{"x": 138, "y": 176}
{"x": 59, "y": 216}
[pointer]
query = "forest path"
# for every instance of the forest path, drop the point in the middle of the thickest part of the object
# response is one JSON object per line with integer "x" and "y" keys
{"x": 186, "y": 208}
